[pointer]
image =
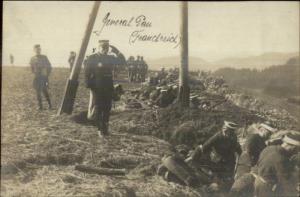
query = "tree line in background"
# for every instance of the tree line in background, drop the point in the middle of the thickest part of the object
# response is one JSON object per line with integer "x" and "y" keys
{"x": 279, "y": 80}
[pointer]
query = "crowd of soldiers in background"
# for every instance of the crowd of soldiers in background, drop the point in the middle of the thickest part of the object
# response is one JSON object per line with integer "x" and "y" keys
{"x": 137, "y": 69}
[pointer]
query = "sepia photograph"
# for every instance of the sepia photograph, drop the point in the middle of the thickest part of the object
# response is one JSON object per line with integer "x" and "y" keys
{"x": 150, "y": 99}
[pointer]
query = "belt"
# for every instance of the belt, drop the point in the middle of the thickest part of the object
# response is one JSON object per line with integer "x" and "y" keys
{"x": 259, "y": 177}
{"x": 263, "y": 181}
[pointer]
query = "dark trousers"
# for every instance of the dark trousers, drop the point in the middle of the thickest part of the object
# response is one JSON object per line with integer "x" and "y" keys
{"x": 40, "y": 86}
{"x": 103, "y": 105}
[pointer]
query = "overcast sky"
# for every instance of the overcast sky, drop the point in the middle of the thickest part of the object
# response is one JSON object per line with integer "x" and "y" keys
{"x": 216, "y": 29}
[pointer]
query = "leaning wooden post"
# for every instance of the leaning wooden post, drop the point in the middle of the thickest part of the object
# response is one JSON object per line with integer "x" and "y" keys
{"x": 72, "y": 83}
{"x": 184, "y": 90}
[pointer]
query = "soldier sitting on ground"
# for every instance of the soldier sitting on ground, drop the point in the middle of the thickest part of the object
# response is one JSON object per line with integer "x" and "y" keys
{"x": 220, "y": 153}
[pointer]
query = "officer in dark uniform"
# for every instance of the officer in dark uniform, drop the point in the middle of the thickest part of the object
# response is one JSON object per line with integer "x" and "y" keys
{"x": 99, "y": 78}
{"x": 41, "y": 68}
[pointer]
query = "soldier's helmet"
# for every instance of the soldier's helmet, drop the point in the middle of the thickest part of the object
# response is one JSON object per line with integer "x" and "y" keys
{"x": 131, "y": 58}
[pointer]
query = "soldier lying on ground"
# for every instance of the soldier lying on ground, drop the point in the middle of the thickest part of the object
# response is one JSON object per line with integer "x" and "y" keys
{"x": 275, "y": 169}
{"x": 255, "y": 143}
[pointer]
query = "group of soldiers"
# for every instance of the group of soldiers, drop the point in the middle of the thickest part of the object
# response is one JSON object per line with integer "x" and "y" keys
{"x": 137, "y": 69}
{"x": 262, "y": 167}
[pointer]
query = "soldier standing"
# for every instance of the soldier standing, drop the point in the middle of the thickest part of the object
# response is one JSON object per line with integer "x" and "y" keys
{"x": 99, "y": 78}
{"x": 138, "y": 69}
{"x": 130, "y": 66}
{"x": 71, "y": 59}
{"x": 11, "y": 58}
{"x": 144, "y": 69}
{"x": 41, "y": 68}
{"x": 275, "y": 169}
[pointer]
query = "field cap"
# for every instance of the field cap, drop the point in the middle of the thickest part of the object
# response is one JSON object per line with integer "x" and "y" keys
{"x": 292, "y": 138}
{"x": 230, "y": 125}
{"x": 36, "y": 46}
{"x": 103, "y": 42}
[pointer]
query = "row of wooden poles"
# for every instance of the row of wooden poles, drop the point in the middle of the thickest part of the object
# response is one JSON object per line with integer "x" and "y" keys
{"x": 72, "y": 83}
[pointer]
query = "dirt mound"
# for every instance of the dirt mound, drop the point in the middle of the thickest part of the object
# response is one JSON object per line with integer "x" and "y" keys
{"x": 183, "y": 126}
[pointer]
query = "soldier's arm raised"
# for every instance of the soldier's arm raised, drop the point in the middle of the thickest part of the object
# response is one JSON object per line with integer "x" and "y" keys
{"x": 120, "y": 59}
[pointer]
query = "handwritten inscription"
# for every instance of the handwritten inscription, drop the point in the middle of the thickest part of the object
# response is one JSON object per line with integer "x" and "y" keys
{"x": 140, "y": 22}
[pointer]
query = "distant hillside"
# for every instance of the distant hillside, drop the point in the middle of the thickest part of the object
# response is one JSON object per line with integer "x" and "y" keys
{"x": 259, "y": 62}
{"x": 170, "y": 62}
{"x": 281, "y": 80}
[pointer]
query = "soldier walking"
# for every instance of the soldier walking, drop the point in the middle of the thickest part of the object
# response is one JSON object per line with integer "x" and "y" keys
{"x": 41, "y": 68}
{"x": 99, "y": 78}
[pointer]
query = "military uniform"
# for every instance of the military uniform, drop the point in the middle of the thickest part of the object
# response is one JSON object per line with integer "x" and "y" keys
{"x": 41, "y": 68}
{"x": 274, "y": 169}
{"x": 221, "y": 150}
{"x": 71, "y": 60}
{"x": 99, "y": 78}
{"x": 144, "y": 70}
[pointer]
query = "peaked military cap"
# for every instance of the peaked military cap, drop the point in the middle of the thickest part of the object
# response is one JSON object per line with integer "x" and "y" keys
{"x": 230, "y": 125}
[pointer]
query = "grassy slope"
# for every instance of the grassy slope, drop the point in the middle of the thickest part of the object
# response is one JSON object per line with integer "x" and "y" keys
{"x": 32, "y": 141}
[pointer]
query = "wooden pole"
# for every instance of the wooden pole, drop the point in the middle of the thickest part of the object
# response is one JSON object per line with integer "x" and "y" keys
{"x": 72, "y": 83}
{"x": 184, "y": 90}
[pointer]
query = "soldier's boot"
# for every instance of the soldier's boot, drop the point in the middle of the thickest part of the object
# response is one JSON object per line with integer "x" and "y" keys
{"x": 105, "y": 129}
{"x": 47, "y": 98}
{"x": 39, "y": 98}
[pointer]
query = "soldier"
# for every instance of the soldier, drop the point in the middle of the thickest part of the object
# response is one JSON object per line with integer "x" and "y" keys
{"x": 220, "y": 151}
{"x": 275, "y": 169}
{"x": 71, "y": 59}
{"x": 99, "y": 78}
{"x": 255, "y": 143}
{"x": 130, "y": 65}
{"x": 11, "y": 58}
{"x": 166, "y": 97}
{"x": 41, "y": 68}
{"x": 138, "y": 69}
{"x": 144, "y": 70}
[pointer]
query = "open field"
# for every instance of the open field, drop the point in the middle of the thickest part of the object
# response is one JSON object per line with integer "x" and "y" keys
{"x": 39, "y": 149}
